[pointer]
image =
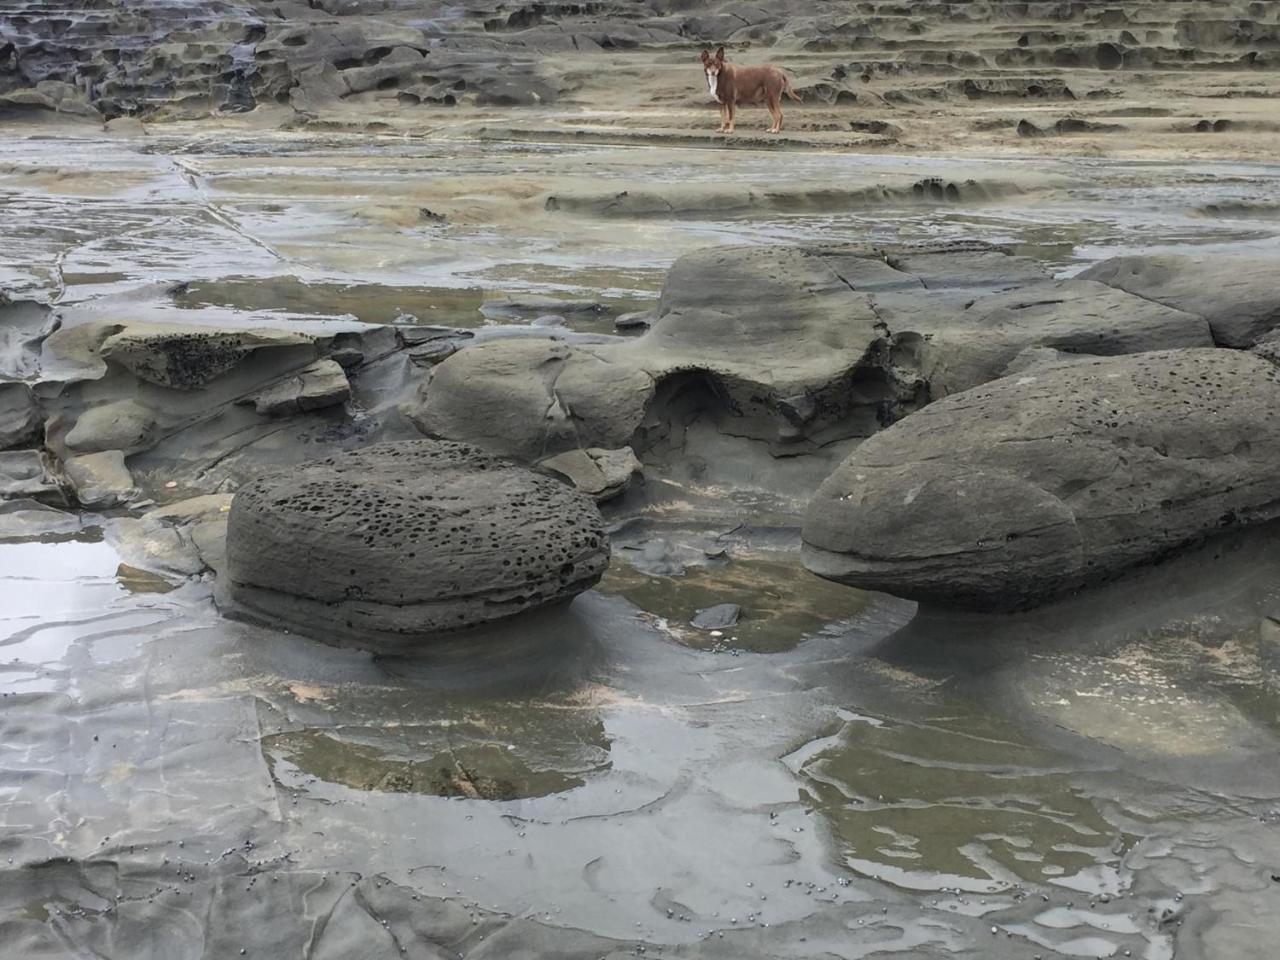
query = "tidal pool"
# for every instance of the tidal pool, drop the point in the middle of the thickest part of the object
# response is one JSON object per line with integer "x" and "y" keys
{"x": 839, "y": 775}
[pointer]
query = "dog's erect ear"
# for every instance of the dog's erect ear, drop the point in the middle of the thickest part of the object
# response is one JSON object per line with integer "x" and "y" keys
{"x": 706, "y": 56}
{"x": 720, "y": 54}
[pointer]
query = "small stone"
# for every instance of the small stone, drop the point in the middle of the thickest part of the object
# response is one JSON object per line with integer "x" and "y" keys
{"x": 717, "y": 618}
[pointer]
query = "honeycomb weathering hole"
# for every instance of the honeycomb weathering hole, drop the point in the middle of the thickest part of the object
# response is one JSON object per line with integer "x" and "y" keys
{"x": 405, "y": 540}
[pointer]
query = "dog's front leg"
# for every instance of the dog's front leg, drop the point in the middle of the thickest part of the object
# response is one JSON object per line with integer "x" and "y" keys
{"x": 731, "y": 110}
{"x": 724, "y": 117}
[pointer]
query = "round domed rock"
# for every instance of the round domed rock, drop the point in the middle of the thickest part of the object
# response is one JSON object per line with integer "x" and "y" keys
{"x": 1032, "y": 487}
{"x": 399, "y": 541}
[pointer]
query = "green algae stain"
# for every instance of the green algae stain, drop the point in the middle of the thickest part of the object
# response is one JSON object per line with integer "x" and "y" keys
{"x": 956, "y": 802}
{"x": 782, "y": 603}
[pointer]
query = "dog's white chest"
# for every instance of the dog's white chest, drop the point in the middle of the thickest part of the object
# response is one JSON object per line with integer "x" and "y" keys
{"x": 711, "y": 85}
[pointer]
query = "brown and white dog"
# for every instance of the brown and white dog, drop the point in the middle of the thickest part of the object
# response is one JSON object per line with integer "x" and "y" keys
{"x": 731, "y": 85}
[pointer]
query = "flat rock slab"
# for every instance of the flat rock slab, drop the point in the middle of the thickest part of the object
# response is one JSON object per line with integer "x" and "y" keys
{"x": 533, "y": 307}
{"x": 1031, "y": 487}
{"x": 188, "y": 357}
{"x": 1238, "y": 296}
{"x": 396, "y": 542}
{"x": 24, "y": 474}
{"x": 978, "y": 343}
{"x": 322, "y": 384}
{"x": 23, "y": 325}
{"x": 604, "y": 474}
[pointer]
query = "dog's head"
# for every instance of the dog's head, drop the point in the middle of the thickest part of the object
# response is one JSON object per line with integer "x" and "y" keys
{"x": 712, "y": 66}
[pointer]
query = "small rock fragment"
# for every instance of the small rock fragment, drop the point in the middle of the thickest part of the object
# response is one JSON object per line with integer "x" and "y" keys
{"x": 101, "y": 479}
{"x": 322, "y": 384}
{"x": 719, "y": 617}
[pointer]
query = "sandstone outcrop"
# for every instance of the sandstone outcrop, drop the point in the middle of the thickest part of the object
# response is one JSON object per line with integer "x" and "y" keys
{"x": 794, "y": 346}
{"x": 1237, "y": 295}
{"x": 395, "y": 542}
{"x": 1031, "y": 487}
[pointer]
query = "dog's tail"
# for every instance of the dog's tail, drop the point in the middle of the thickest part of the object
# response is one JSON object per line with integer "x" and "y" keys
{"x": 789, "y": 90}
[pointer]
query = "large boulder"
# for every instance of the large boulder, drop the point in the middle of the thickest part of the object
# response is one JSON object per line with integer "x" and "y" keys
{"x": 1030, "y": 487}
{"x": 388, "y": 544}
{"x": 1239, "y": 296}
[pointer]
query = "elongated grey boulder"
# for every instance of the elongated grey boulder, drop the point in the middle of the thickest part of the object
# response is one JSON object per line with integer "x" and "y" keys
{"x": 395, "y": 542}
{"x": 1031, "y": 487}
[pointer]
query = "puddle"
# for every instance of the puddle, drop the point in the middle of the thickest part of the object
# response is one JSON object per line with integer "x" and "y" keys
{"x": 290, "y": 298}
{"x": 419, "y": 735}
{"x": 60, "y": 594}
{"x": 475, "y": 771}
{"x": 955, "y": 802}
{"x": 782, "y": 603}
{"x": 368, "y": 303}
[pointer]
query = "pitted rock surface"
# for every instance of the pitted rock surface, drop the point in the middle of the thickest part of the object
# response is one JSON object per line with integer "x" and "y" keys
{"x": 395, "y": 542}
{"x": 1031, "y": 487}
{"x": 188, "y": 357}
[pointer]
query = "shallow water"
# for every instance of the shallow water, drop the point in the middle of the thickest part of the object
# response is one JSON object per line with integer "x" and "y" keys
{"x": 878, "y": 787}
{"x": 403, "y": 224}
{"x": 835, "y": 776}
